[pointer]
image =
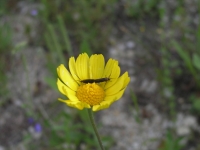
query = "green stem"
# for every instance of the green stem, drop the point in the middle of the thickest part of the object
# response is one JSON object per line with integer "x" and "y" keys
{"x": 90, "y": 113}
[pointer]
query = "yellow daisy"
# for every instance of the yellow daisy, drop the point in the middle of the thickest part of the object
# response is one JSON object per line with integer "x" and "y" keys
{"x": 90, "y": 83}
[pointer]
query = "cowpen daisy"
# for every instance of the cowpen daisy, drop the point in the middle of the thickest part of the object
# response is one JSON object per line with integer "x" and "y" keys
{"x": 90, "y": 83}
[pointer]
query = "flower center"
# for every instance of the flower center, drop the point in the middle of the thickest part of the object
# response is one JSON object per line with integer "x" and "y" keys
{"x": 90, "y": 93}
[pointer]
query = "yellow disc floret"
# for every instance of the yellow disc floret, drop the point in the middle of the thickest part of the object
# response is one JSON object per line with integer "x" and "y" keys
{"x": 90, "y": 93}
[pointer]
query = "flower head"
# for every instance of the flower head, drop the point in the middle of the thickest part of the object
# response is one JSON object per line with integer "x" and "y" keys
{"x": 90, "y": 83}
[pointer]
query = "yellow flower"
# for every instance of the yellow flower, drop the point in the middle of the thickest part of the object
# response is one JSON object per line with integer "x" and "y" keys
{"x": 90, "y": 83}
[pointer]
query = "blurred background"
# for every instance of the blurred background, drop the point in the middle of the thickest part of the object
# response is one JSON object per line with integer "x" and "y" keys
{"x": 156, "y": 41}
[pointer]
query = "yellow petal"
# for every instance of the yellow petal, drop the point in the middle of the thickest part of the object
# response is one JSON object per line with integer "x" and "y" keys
{"x": 70, "y": 94}
{"x": 85, "y": 105}
{"x": 72, "y": 68}
{"x": 75, "y": 104}
{"x": 108, "y": 67}
{"x": 72, "y": 104}
{"x": 117, "y": 86}
{"x": 115, "y": 97}
{"x": 115, "y": 71}
{"x": 96, "y": 66}
{"x": 78, "y": 105}
{"x": 103, "y": 105}
{"x": 60, "y": 86}
{"x": 66, "y": 77}
{"x": 113, "y": 76}
{"x": 64, "y": 89}
{"x": 108, "y": 101}
{"x": 127, "y": 80}
{"x": 82, "y": 63}
{"x": 62, "y": 100}
{"x": 68, "y": 91}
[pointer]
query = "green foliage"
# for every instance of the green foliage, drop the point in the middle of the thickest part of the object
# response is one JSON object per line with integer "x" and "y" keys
{"x": 73, "y": 131}
{"x": 5, "y": 37}
{"x": 195, "y": 100}
{"x": 171, "y": 142}
{"x": 3, "y": 7}
{"x": 135, "y": 102}
{"x": 186, "y": 48}
{"x": 58, "y": 43}
{"x": 196, "y": 105}
{"x": 165, "y": 77}
{"x": 192, "y": 63}
{"x": 198, "y": 36}
{"x": 182, "y": 56}
{"x": 67, "y": 131}
{"x": 85, "y": 26}
{"x": 54, "y": 46}
{"x": 5, "y": 51}
{"x": 196, "y": 61}
{"x": 85, "y": 47}
{"x": 65, "y": 36}
{"x": 138, "y": 9}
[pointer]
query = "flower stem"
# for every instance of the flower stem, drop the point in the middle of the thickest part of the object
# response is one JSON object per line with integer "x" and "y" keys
{"x": 90, "y": 113}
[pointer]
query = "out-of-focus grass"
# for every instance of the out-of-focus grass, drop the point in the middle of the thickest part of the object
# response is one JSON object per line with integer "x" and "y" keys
{"x": 181, "y": 44}
{"x": 71, "y": 27}
{"x": 83, "y": 21}
{"x": 164, "y": 76}
{"x": 171, "y": 142}
{"x": 3, "y": 7}
{"x": 137, "y": 115}
{"x": 140, "y": 8}
{"x": 5, "y": 50}
{"x": 180, "y": 61}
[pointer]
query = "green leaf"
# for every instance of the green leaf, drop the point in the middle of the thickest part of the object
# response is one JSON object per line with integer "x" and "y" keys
{"x": 19, "y": 46}
{"x": 85, "y": 47}
{"x": 196, "y": 60}
{"x": 65, "y": 36}
{"x": 185, "y": 56}
{"x": 196, "y": 104}
{"x": 51, "y": 82}
{"x": 198, "y": 37}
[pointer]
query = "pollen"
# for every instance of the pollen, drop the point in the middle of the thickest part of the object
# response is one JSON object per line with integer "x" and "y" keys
{"x": 90, "y": 93}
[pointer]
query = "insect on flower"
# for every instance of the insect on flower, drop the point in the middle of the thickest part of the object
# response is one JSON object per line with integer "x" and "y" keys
{"x": 95, "y": 80}
{"x": 91, "y": 71}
